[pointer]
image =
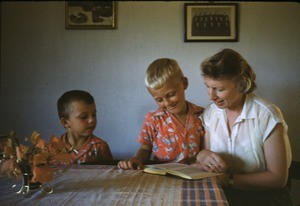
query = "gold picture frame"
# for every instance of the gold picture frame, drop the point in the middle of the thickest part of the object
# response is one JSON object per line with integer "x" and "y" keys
{"x": 90, "y": 15}
{"x": 210, "y": 22}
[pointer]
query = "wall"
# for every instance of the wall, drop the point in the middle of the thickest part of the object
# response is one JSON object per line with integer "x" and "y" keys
{"x": 41, "y": 59}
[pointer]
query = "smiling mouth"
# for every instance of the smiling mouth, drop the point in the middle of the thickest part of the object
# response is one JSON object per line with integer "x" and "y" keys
{"x": 218, "y": 103}
{"x": 172, "y": 107}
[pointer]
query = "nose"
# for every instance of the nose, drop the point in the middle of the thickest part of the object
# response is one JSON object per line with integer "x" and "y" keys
{"x": 91, "y": 120}
{"x": 167, "y": 102}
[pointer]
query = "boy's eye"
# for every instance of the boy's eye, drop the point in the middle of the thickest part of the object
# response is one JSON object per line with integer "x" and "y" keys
{"x": 215, "y": 89}
{"x": 172, "y": 94}
{"x": 159, "y": 100}
{"x": 83, "y": 117}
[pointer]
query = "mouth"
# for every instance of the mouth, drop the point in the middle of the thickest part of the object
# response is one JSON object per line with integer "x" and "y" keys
{"x": 171, "y": 107}
{"x": 218, "y": 103}
{"x": 91, "y": 128}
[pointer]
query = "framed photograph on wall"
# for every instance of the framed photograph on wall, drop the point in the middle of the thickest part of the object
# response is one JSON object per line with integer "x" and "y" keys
{"x": 90, "y": 15}
{"x": 210, "y": 22}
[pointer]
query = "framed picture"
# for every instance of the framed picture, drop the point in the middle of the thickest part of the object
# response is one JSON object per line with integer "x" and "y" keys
{"x": 90, "y": 15}
{"x": 210, "y": 22}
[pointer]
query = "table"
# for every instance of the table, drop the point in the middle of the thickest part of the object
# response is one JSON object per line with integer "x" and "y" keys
{"x": 108, "y": 185}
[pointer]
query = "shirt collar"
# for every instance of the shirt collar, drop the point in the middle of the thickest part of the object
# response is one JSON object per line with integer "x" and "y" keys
{"x": 248, "y": 111}
{"x": 193, "y": 109}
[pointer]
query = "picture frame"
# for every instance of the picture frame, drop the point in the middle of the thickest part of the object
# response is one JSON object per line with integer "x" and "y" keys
{"x": 90, "y": 15}
{"x": 210, "y": 22}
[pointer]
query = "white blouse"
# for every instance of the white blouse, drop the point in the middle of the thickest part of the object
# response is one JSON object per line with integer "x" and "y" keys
{"x": 243, "y": 149}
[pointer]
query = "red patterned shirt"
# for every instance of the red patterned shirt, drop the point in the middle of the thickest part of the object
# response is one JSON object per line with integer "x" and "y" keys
{"x": 93, "y": 150}
{"x": 169, "y": 138}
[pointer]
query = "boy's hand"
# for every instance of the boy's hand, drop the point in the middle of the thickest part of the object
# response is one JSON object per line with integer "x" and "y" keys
{"x": 130, "y": 164}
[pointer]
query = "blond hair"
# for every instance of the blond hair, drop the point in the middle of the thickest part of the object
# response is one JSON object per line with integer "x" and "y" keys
{"x": 160, "y": 71}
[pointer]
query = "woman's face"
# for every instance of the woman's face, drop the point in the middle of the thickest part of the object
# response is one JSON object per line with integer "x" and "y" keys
{"x": 225, "y": 93}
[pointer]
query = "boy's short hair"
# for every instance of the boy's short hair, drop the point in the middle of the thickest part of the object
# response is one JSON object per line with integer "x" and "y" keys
{"x": 160, "y": 71}
{"x": 65, "y": 101}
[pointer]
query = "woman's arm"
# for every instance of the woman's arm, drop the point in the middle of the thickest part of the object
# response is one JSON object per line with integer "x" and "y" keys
{"x": 276, "y": 173}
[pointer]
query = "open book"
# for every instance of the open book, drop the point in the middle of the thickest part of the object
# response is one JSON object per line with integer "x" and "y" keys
{"x": 181, "y": 170}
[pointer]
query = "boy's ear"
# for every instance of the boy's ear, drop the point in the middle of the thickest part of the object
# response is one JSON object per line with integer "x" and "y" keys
{"x": 64, "y": 122}
{"x": 185, "y": 82}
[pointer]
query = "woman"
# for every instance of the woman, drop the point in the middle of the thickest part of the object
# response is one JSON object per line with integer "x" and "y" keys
{"x": 246, "y": 137}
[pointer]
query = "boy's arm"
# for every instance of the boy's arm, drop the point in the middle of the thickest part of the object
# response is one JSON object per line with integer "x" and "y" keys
{"x": 143, "y": 155}
{"x": 106, "y": 153}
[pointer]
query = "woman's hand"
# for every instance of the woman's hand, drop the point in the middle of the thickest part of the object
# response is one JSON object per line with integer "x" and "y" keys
{"x": 211, "y": 162}
{"x": 130, "y": 164}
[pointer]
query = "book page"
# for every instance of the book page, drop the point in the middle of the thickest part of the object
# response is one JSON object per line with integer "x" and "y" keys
{"x": 181, "y": 170}
{"x": 155, "y": 171}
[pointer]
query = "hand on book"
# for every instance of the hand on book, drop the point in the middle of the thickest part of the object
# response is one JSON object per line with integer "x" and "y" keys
{"x": 199, "y": 166}
{"x": 211, "y": 161}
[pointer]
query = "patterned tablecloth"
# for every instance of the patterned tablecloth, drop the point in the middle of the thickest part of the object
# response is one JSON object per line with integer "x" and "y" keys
{"x": 108, "y": 185}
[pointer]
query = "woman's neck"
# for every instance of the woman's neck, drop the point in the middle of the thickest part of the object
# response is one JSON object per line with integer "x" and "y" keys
{"x": 234, "y": 111}
{"x": 238, "y": 106}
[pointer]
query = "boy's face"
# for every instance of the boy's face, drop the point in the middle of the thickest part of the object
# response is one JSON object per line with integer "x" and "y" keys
{"x": 171, "y": 96}
{"x": 82, "y": 119}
